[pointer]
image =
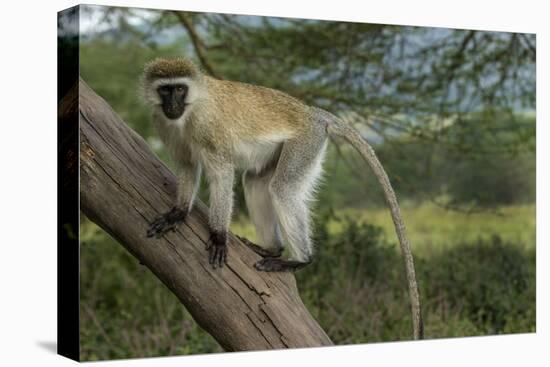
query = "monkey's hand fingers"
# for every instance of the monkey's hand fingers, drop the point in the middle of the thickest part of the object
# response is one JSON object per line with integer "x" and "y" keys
{"x": 217, "y": 254}
{"x": 157, "y": 227}
{"x": 166, "y": 222}
{"x": 160, "y": 226}
{"x": 217, "y": 248}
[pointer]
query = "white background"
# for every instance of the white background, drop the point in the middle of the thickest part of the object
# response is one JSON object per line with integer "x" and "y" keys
{"x": 28, "y": 182}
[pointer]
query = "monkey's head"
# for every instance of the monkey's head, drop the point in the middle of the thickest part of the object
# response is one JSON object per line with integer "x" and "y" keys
{"x": 171, "y": 85}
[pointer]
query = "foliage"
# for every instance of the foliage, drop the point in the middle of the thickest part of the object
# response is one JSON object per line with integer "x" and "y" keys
{"x": 490, "y": 175}
{"x": 479, "y": 288}
{"x": 421, "y": 171}
{"x": 120, "y": 85}
{"x": 473, "y": 158}
{"x": 490, "y": 281}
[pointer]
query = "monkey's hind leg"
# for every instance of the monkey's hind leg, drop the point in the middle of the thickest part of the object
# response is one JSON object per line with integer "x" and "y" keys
{"x": 166, "y": 222}
{"x": 291, "y": 187}
{"x": 262, "y": 214}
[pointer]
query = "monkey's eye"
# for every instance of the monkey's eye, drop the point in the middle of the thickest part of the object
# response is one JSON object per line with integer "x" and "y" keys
{"x": 164, "y": 90}
{"x": 181, "y": 89}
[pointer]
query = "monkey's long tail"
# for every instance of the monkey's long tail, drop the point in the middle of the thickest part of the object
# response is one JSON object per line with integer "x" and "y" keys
{"x": 340, "y": 128}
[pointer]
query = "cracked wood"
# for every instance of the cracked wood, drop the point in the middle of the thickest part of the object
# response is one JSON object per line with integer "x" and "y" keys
{"x": 123, "y": 186}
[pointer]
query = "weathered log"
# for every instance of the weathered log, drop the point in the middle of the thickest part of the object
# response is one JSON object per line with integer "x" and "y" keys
{"x": 123, "y": 186}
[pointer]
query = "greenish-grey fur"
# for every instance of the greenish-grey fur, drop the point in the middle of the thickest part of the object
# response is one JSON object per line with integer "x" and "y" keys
{"x": 279, "y": 142}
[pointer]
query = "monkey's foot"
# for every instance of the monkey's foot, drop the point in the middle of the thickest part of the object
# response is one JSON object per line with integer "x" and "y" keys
{"x": 217, "y": 249}
{"x": 260, "y": 250}
{"x": 166, "y": 222}
{"x": 275, "y": 264}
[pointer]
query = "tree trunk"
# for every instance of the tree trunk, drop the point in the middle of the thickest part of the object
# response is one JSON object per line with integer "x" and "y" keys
{"x": 123, "y": 186}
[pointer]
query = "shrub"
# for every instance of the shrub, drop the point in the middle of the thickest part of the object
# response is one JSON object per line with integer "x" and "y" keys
{"x": 491, "y": 282}
{"x": 356, "y": 287}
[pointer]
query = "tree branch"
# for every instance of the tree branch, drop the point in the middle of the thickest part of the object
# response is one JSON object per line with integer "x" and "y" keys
{"x": 123, "y": 186}
{"x": 197, "y": 42}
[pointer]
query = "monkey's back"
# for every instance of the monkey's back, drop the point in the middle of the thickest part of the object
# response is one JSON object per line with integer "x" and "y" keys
{"x": 256, "y": 110}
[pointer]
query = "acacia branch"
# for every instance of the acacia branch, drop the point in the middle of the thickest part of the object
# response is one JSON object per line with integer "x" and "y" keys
{"x": 197, "y": 42}
{"x": 123, "y": 186}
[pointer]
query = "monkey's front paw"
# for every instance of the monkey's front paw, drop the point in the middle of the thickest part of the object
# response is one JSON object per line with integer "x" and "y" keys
{"x": 166, "y": 222}
{"x": 217, "y": 249}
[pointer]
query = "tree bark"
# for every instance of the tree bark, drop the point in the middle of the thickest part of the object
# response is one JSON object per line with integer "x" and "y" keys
{"x": 123, "y": 186}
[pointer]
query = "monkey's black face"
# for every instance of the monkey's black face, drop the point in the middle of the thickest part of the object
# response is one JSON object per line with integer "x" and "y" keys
{"x": 172, "y": 97}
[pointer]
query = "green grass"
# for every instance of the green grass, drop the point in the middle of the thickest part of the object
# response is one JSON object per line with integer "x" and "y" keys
{"x": 429, "y": 225}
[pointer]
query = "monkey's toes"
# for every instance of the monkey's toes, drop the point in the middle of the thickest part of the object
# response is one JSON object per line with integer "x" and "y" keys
{"x": 260, "y": 250}
{"x": 268, "y": 264}
{"x": 217, "y": 255}
{"x": 276, "y": 264}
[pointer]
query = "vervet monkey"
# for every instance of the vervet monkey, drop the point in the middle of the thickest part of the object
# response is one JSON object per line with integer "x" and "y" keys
{"x": 220, "y": 126}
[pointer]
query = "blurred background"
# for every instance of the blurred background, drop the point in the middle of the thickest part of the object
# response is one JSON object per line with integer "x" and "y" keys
{"x": 451, "y": 114}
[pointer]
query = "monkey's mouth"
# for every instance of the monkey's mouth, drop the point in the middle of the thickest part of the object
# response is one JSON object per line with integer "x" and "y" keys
{"x": 174, "y": 112}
